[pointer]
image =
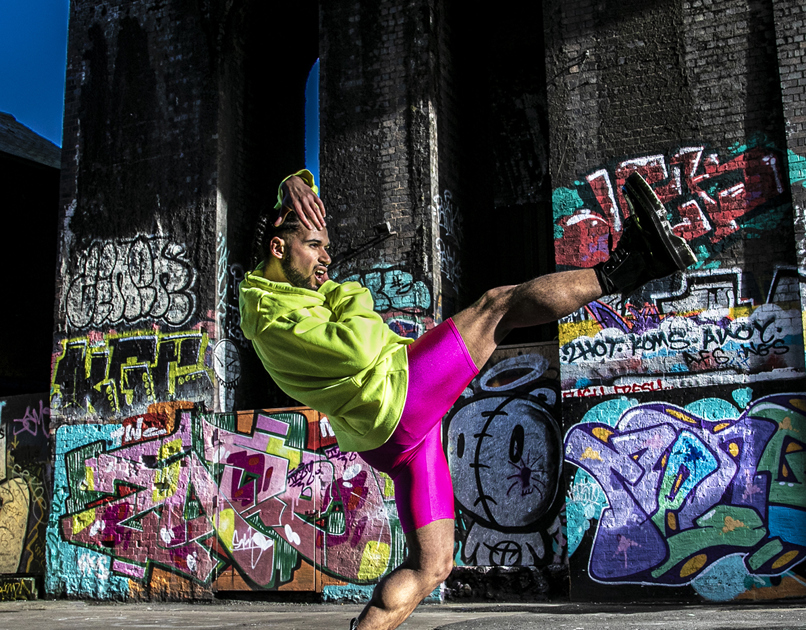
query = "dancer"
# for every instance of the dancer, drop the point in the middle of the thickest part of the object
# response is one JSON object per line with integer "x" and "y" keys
{"x": 385, "y": 395}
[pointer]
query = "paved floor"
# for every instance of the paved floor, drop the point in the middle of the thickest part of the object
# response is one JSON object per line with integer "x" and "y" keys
{"x": 73, "y": 615}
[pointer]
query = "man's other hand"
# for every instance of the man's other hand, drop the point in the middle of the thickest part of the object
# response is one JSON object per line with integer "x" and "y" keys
{"x": 298, "y": 196}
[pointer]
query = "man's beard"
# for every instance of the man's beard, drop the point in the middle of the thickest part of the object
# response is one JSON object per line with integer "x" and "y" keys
{"x": 295, "y": 277}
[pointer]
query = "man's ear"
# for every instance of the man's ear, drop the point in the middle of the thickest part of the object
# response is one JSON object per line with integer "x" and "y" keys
{"x": 277, "y": 247}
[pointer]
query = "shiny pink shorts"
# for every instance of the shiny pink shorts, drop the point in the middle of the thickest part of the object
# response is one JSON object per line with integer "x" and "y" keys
{"x": 440, "y": 368}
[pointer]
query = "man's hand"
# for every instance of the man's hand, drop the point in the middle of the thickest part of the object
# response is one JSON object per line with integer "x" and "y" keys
{"x": 298, "y": 196}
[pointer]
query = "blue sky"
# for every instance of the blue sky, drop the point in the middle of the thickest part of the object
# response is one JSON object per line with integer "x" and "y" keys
{"x": 33, "y": 54}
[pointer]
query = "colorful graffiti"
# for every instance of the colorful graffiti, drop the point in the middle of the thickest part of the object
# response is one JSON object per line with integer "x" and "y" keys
{"x": 260, "y": 494}
{"x": 107, "y": 374}
{"x": 24, "y": 489}
{"x": 148, "y": 278}
{"x": 710, "y": 198}
{"x": 504, "y": 450}
{"x": 402, "y": 301}
{"x": 679, "y": 492}
{"x": 724, "y": 332}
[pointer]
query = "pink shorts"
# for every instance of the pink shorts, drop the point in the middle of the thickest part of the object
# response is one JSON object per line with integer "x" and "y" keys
{"x": 440, "y": 368}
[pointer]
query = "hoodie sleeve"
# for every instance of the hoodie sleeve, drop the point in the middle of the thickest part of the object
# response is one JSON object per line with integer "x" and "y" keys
{"x": 341, "y": 338}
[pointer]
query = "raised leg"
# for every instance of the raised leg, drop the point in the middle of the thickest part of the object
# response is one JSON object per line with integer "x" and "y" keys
{"x": 541, "y": 300}
{"x": 427, "y": 565}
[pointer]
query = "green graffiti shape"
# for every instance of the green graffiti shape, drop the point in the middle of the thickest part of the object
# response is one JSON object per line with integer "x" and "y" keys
{"x": 725, "y": 525}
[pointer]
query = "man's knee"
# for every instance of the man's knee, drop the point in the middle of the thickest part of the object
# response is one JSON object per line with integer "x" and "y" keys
{"x": 495, "y": 301}
{"x": 438, "y": 569}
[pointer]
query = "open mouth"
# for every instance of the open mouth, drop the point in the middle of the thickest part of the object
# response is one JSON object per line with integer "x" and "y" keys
{"x": 321, "y": 274}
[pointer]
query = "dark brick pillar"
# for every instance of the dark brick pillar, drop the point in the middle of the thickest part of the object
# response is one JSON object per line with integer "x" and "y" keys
{"x": 180, "y": 119}
{"x": 790, "y": 20}
{"x": 379, "y": 148}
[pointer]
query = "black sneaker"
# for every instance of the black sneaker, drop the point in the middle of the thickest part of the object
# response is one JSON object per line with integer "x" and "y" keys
{"x": 648, "y": 248}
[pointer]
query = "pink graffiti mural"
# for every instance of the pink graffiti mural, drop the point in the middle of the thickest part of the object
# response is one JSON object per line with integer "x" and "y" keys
{"x": 708, "y": 198}
{"x": 256, "y": 491}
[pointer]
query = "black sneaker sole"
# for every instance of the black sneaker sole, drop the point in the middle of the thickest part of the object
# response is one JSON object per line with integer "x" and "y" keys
{"x": 651, "y": 217}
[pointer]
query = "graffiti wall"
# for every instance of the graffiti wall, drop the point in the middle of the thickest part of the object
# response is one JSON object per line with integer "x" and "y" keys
{"x": 25, "y": 493}
{"x": 120, "y": 373}
{"x": 504, "y": 449}
{"x": 737, "y": 312}
{"x": 706, "y": 494}
{"x": 176, "y": 498}
{"x": 399, "y": 298}
{"x": 687, "y": 492}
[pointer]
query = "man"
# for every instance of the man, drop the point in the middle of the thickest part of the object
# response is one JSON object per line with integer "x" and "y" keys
{"x": 385, "y": 396}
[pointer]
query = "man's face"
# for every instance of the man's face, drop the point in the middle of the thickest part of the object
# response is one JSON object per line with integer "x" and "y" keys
{"x": 305, "y": 258}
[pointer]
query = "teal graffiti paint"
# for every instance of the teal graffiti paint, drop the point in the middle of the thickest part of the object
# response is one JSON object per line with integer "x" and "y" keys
{"x": 71, "y": 570}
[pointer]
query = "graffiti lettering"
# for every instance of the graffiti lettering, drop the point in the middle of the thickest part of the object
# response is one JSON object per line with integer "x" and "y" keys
{"x": 691, "y": 491}
{"x": 33, "y": 420}
{"x": 761, "y": 341}
{"x": 710, "y": 198}
{"x": 268, "y": 500}
{"x": 655, "y": 385}
{"x": 115, "y": 282}
{"x": 17, "y": 588}
{"x": 393, "y": 288}
{"x": 450, "y": 237}
{"x": 113, "y": 372}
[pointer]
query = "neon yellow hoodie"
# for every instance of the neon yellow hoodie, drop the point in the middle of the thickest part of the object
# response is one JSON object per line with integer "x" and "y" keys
{"x": 331, "y": 351}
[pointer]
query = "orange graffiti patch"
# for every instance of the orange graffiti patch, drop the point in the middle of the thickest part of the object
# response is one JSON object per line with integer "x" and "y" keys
{"x": 731, "y": 524}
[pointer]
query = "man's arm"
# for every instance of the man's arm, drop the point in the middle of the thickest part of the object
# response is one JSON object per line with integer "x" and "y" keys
{"x": 300, "y": 196}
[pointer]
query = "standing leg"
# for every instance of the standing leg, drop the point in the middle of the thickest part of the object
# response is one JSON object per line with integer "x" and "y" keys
{"x": 427, "y": 565}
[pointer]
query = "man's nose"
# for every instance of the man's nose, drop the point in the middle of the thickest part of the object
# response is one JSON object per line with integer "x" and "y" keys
{"x": 324, "y": 258}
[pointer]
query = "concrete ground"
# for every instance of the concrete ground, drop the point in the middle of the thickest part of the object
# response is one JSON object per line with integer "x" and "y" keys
{"x": 78, "y": 615}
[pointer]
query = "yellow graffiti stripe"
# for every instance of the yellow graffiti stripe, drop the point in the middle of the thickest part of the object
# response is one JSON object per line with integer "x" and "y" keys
{"x": 276, "y": 446}
{"x": 602, "y": 433}
{"x": 671, "y": 520}
{"x": 675, "y": 413}
{"x": 226, "y": 527}
{"x": 785, "y": 559}
{"x": 166, "y": 480}
{"x": 693, "y": 565}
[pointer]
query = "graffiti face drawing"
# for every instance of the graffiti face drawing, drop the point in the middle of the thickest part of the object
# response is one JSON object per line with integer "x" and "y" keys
{"x": 504, "y": 455}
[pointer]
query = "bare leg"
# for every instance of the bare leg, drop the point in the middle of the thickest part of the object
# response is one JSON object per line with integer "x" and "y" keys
{"x": 427, "y": 565}
{"x": 541, "y": 300}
